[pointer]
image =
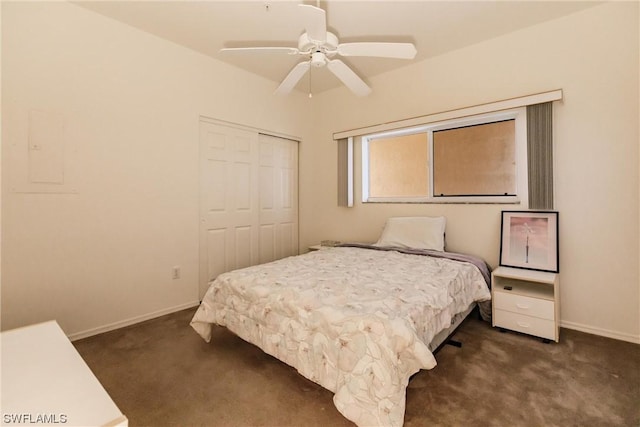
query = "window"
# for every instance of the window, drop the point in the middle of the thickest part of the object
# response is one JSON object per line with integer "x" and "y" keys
{"x": 476, "y": 160}
{"x": 397, "y": 166}
{"x": 480, "y": 159}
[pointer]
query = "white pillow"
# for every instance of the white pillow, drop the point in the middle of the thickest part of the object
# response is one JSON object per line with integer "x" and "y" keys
{"x": 420, "y": 232}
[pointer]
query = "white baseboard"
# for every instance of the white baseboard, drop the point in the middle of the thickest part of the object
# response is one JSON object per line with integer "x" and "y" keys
{"x": 602, "y": 332}
{"x": 130, "y": 321}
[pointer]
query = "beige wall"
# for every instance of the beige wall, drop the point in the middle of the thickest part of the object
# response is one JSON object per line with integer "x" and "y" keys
{"x": 103, "y": 256}
{"x": 593, "y": 57}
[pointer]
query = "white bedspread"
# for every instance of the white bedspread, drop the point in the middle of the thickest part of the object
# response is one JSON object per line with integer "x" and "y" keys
{"x": 356, "y": 321}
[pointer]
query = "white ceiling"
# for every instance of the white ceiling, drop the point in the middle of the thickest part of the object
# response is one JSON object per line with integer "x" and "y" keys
{"x": 435, "y": 27}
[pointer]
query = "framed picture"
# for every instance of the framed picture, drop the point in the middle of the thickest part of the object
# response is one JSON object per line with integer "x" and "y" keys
{"x": 529, "y": 239}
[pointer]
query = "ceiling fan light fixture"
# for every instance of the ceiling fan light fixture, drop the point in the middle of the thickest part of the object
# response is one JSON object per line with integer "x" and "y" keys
{"x": 318, "y": 59}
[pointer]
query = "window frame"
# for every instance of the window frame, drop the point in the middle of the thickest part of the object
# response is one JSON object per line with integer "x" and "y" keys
{"x": 518, "y": 114}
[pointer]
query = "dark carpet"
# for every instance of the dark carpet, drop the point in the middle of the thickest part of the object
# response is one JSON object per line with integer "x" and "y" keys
{"x": 161, "y": 373}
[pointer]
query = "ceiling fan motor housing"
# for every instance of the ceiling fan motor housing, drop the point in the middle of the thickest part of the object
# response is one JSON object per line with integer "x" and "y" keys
{"x": 330, "y": 44}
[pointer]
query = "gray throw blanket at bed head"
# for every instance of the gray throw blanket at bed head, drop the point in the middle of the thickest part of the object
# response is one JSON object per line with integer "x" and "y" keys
{"x": 485, "y": 270}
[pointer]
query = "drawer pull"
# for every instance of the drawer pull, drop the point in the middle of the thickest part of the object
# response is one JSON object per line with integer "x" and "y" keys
{"x": 523, "y": 307}
{"x": 524, "y": 325}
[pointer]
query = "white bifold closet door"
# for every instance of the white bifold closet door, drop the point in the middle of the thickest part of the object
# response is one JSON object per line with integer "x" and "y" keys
{"x": 278, "y": 198}
{"x": 248, "y": 199}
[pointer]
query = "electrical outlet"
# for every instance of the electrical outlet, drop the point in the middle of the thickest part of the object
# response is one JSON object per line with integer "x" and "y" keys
{"x": 176, "y": 272}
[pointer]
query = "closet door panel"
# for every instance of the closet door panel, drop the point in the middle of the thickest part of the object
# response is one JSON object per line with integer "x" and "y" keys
{"x": 279, "y": 195}
{"x": 229, "y": 214}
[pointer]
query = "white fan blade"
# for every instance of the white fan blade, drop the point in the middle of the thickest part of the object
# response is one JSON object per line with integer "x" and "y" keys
{"x": 278, "y": 50}
{"x": 383, "y": 50}
{"x": 315, "y": 22}
{"x": 348, "y": 77}
{"x": 293, "y": 77}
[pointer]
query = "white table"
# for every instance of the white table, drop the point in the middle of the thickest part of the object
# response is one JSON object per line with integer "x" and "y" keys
{"x": 46, "y": 382}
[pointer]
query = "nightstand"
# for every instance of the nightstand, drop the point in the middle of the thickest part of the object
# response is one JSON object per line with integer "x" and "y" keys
{"x": 526, "y": 301}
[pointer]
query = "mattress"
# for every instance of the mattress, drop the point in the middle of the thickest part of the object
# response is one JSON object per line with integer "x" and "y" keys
{"x": 354, "y": 320}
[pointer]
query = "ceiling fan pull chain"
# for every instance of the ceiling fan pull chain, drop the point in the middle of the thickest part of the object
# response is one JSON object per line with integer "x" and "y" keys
{"x": 310, "y": 67}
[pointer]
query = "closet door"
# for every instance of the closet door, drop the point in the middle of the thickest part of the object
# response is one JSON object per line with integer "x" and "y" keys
{"x": 248, "y": 199}
{"x": 229, "y": 194}
{"x": 278, "y": 198}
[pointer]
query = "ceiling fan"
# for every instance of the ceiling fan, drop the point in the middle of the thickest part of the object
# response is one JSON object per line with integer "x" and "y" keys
{"x": 320, "y": 47}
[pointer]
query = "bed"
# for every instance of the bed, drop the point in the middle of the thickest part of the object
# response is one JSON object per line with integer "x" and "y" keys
{"x": 357, "y": 319}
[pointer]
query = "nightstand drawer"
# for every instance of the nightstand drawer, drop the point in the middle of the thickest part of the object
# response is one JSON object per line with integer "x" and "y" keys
{"x": 521, "y": 304}
{"x": 526, "y": 324}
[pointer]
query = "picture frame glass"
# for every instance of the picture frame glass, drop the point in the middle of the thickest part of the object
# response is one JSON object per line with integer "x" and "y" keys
{"x": 529, "y": 240}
